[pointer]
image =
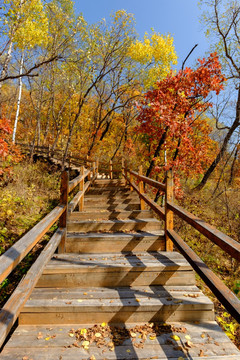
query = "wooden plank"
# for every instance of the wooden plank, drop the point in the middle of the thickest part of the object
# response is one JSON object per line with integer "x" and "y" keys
{"x": 120, "y": 353}
{"x": 73, "y": 183}
{"x": 12, "y": 308}
{"x": 158, "y": 209}
{"x": 147, "y": 180}
{"x": 12, "y": 257}
{"x": 72, "y": 205}
{"x": 170, "y": 292}
{"x": 113, "y": 225}
{"x": 226, "y": 243}
{"x": 93, "y": 245}
{"x": 63, "y": 202}
{"x": 168, "y": 212}
{"x": 141, "y": 188}
{"x": 132, "y": 316}
{"x": 109, "y": 278}
{"x": 224, "y": 295}
{"x": 108, "y": 215}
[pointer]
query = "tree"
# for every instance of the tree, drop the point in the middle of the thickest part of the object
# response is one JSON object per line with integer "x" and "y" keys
{"x": 223, "y": 22}
{"x": 170, "y": 117}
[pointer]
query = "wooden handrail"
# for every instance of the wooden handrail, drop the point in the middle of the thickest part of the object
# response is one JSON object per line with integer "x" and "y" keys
{"x": 224, "y": 241}
{"x": 12, "y": 257}
{"x": 232, "y": 247}
{"x": 11, "y": 310}
{"x": 222, "y": 292}
{"x": 146, "y": 180}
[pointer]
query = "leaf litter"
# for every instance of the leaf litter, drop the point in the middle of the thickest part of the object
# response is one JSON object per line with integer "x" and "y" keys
{"x": 108, "y": 336}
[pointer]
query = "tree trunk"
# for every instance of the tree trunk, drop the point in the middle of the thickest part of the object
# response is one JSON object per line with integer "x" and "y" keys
{"x": 19, "y": 100}
{"x": 161, "y": 142}
{"x": 234, "y": 126}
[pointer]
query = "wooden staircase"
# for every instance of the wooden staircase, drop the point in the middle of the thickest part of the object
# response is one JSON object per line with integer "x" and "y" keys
{"x": 116, "y": 293}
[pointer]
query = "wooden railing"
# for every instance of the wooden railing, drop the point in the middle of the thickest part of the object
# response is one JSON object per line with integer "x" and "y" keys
{"x": 13, "y": 256}
{"x": 58, "y": 154}
{"x": 228, "y": 299}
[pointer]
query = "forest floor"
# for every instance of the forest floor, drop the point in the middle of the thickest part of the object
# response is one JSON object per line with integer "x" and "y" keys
{"x": 32, "y": 190}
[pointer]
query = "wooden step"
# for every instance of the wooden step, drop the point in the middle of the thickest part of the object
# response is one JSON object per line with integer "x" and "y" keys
{"x": 113, "y": 225}
{"x": 128, "y": 206}
{"x": 108, "y": 215}
{"x": 116, "y": 269}
{"x": 117, "y": 305}
{"x": 104, "y": 183}
{"x": 108, "y": 191}
{"x": 115, "y": 242}
{"x": 111, "y": 197}
{"x": 207, "y": 341}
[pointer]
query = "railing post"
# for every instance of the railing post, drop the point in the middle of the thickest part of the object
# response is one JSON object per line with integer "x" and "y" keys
{"x": 124, "y": 171}
{"x": 87, "y": 164}
{"x": 97, "y": 165}
{"x": 168, "y": 213}
{"x": 81, "y": 188}
{"x": 141, "y": 188}
{"x": 111, "y": 169}
{"x": 131, "y": 181}
{"x": 69, "y": 160}
{"x": 64, "y": 202}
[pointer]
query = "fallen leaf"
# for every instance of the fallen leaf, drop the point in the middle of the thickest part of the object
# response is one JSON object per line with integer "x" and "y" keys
{"x": 175, "y": 337}
{"x": 132, "y": 334}
{"x": 152, "y": 337}
{"x": 188, "y": 337}
{"x": 47, "y": 338}
{"x": 71, "y": 335}
{"x": 128, "y": 351}
{"x": 97, "y": 335}
{"x": 80, "y": 300}
{"x": 103, "y": 324}
{"x": 188, "y": 344}
{"x": 201, "y": 353}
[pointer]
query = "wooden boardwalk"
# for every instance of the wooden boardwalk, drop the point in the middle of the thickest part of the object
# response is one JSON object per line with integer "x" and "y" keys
{"x": 115, "y": 293}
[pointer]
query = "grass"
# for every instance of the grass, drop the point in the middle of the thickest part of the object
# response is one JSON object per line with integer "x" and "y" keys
{"x": 27, "y": 196}
{"x": 222, "y": 210}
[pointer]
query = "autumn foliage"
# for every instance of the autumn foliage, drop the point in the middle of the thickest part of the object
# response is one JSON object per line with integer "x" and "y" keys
{"x": 9, "y": 153}
{"x": 171, "y": 118}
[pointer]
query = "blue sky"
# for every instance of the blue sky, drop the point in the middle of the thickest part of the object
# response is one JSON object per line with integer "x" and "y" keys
{"x": 180, "y": 18}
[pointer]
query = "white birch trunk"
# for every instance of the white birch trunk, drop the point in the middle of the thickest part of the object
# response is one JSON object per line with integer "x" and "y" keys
{"x": 19, "y": 99}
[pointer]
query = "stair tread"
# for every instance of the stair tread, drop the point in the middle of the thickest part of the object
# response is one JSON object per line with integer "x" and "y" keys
{"x": 134, "y": 262}
{"x": 139, "y": 234}
{"x": 215, "y": 345}
{"x": 115, "y": 298}
{"x": 116, "y": 221}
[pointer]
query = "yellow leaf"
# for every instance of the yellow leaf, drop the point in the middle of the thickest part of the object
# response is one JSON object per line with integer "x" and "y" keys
{"x": 85, "y": 343}
{"x": 188, "y": 337}
{"x": 128, "y": 351}
{"x": 203, "y": 336}
{"x": 137, "y": 300}
{"x": 103, "y": 324}
{"x": 181, "y": 358}
{"x": 83, "y": 331}
{"x": 152, "y": 337}
{"x": 80, "y": 300}
{"x": 175, "y": 337}
{"x": 133, "y": 335}
{"x": 47, "y": 338}
{"x": 71, "y": 335}
{"x": 85, "y": 293}
{"x": 98, "y": 335}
